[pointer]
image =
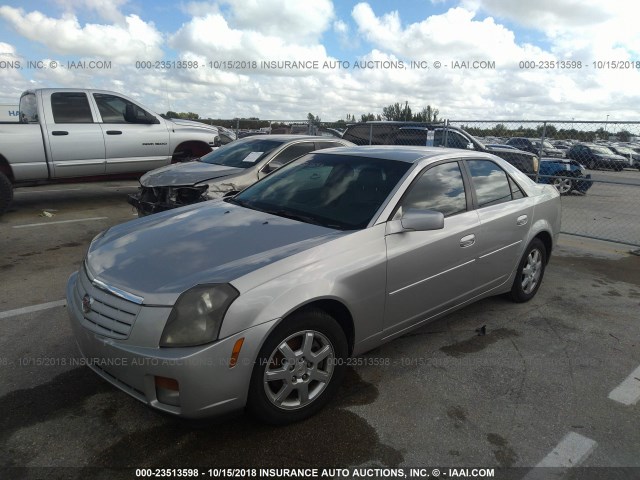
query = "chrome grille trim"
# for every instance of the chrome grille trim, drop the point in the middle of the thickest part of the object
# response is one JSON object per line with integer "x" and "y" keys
{"x": 111, "y": 315}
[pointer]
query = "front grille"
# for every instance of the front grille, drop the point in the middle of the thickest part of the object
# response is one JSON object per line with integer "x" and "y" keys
{"x": 110, "y": 315}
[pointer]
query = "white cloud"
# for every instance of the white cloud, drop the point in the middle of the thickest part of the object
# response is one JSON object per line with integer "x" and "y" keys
{"x": 106, "y": 9}
{"x": 299, "y": 22}
{"x": 212, "y": 38}
{"x": 13, "y": 83}
{"x": 285, "y": 30}
{"x": 134, "y": 40}
{"x": 199, "y": 9}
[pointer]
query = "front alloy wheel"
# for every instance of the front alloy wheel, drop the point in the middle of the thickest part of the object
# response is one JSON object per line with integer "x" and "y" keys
{"x": 563, "y": 185}
{"x": 298, "y": 369}
{"x": 530, "y": 272}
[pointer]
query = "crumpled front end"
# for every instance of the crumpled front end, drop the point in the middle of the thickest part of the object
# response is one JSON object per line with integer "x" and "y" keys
{"x": 150, "y": 200}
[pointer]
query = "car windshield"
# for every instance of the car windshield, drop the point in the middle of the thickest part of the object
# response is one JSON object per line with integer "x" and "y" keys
{"x": 242, "y": 153}
{"x": 600, "y": 149}
{"x": 625, "y": 150}
{"x": 545, "y": 144}
{"x": 336, "y": 191}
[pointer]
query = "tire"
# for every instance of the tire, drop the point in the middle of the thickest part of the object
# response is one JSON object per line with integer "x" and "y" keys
{"x": 530, "y": 272}
{"x": 277, "y": 388}
{"x": 564, "y": 185}
{"x": 184, "y": 156}
{"x": 591, "y": 165}
{"x": 6, "y": 193}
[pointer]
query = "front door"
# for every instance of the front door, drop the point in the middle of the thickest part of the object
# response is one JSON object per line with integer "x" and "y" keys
{"x": 429, "y": 272}
{"x": 133, "y": 144}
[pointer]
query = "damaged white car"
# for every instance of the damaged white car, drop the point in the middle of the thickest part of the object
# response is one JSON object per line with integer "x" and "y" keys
{"x": 228, "y": 170}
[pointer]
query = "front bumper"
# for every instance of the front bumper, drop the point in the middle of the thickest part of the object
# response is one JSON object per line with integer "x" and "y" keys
{"x": 150, "y": 200}
{"x": 207, "y": 385}
{"x": 582, "y": 184}
{"x": 147, "y": 208}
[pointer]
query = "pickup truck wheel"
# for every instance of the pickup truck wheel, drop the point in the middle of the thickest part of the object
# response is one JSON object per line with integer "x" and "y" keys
{"x": 6, "y": 193}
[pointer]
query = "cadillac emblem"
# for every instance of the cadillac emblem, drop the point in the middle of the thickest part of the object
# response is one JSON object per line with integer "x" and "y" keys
{"x": 86, "y": 304}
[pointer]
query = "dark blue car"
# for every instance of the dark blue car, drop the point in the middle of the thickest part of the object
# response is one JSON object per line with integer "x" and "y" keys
{"x": 565, "y": 174}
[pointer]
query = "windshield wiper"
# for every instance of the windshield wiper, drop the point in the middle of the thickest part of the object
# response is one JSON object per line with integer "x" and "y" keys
{"x": 240, "y": 203}
{"x": 294, "y": 216}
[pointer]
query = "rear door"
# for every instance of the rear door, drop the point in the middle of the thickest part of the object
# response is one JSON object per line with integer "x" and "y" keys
{"x": 133, "y": 143}
{"x": 505, "y": 215}
{"x": 75, "y": 139}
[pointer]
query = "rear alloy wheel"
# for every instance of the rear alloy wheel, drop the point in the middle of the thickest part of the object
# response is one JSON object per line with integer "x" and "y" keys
{"x": 530, "y": 272}
{"x": 564, "y": 185}
{"x": 299, "y": 368}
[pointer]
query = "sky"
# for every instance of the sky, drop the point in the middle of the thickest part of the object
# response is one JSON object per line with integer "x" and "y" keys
{"x": 283, "y": 59}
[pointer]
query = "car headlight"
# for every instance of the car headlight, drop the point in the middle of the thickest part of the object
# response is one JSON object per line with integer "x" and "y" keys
{"x": 536, "y": 164}
{"x": 197, "y": 315}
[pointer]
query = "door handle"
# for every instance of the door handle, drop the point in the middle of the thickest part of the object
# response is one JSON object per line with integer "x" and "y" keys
{"x": 522, "y": 220}
{"x": 467, "y": 241}
{"x": 59, "y": 133}
{"x": 114, "y": 132}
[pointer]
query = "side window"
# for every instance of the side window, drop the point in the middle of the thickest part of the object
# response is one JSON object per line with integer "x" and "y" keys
{"x": 414, "y": 137}
{"x": 450, "y": 139}
{"x": 490, "y": 182}
{"x": 28, "y": 109}
{"x": 321, "y": 145}
{"x": 224, "y": 139}
{"x": 290, "y": 153}
{"x": 71, "y": 107}
{"x": 114, "y": 109}
{"x": 439, "y": 188}
{"x": 516, "y": 191}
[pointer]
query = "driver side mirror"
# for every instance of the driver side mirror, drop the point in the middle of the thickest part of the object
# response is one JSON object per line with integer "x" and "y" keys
{"x": 417, "y": 220}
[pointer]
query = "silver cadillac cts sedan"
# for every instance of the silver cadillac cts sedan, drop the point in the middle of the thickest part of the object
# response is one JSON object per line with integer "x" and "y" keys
{"x": 256, "y": 301}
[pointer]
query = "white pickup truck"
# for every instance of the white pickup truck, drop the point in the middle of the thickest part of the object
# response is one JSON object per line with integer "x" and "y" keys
{"x": 74, "y": 133}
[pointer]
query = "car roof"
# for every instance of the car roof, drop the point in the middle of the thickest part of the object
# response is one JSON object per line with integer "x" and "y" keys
{"x": 289, "y": 137}
{"x": 407, "y": 154}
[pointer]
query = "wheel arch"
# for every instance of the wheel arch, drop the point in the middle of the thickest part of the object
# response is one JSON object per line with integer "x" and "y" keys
{"x": 5, "y": 168}
{"x": 196, "y": 148}
{"x": 334, "y": 308}
{"x": 547, "y": 241}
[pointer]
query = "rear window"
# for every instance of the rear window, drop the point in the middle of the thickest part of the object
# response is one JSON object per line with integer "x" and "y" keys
{"x": 28, "y": 108}
{"x": 70, "y": 107}
{"x": 360, "y": 134}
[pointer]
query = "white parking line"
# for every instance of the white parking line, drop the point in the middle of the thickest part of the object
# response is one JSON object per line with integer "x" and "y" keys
{"x": 60, "y": 221}
{"x": 628, "y": 392}
{"x": 572, "y": 450}
{"x": 47, "y": 191}
{"x": 32, "y": 308}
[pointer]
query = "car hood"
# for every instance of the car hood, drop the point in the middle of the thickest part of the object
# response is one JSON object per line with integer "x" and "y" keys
{"x": 188, "y": 173}
{"x": 160, "y": 256}
{"x": 509, "y": 150}
{"x": 192, "y": 123}
{"x": 611, "y": 156}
